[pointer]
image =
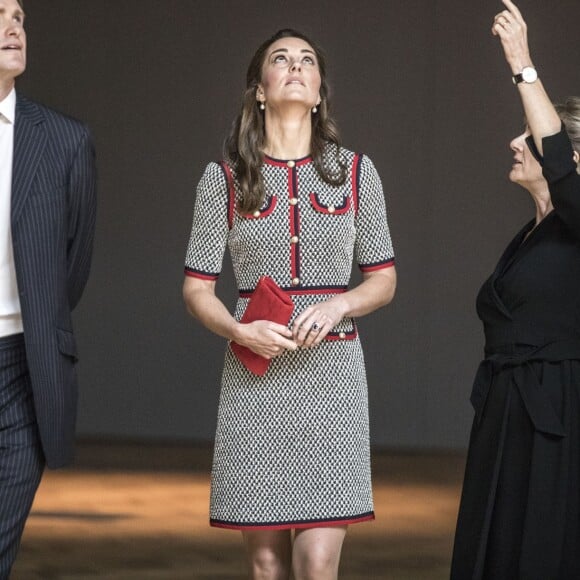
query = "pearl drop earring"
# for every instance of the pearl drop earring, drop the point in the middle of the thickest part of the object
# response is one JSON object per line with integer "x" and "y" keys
{"x": 262, "y": 106}
{"x": 314, "y": 110}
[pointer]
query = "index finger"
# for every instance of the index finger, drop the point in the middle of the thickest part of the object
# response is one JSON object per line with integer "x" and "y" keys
{"x": 513, "y": 8}
{"x": 280, "y": 329}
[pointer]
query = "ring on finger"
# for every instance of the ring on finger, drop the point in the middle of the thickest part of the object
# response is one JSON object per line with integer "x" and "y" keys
{"x": 315, "y": 327}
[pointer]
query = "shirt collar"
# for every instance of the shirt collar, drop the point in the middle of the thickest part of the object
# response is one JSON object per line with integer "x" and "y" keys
{"x": 8, "y": 106}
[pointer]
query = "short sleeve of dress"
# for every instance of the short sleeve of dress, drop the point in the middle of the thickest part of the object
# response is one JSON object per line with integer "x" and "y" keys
{"x": 373, "y": 246}
{"x": 209, "y": 230}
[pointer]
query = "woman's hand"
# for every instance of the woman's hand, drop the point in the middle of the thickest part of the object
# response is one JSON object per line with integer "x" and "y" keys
{"x": 315, "y": 322}
{"x": 265, "y": 338}
{"x": 512, "y": 30}
{"x": 268, "y": 339}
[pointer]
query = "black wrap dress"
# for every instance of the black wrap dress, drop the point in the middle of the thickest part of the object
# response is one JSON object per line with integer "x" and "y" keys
{"x": 519, "y": 517}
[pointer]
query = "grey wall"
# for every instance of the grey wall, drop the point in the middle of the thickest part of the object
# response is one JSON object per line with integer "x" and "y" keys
{"x": 420, "y": 86}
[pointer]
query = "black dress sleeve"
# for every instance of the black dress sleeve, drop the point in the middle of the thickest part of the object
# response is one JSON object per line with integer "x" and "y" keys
{"x": 560, "y": 171}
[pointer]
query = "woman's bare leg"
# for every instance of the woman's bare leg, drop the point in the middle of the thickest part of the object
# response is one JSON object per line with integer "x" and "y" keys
{"x": 316, "y": 553}
{"x": 269, "y": 554}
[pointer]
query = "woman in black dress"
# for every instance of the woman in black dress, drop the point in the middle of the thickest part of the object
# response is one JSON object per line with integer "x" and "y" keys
{"x": 519, "y": 517}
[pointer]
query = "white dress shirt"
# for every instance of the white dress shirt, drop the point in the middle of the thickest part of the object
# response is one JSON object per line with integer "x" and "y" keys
{"x": 10, "y": 317}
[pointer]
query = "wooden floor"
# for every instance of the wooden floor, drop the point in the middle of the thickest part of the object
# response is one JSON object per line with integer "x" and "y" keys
{"x": 137, "y": 512}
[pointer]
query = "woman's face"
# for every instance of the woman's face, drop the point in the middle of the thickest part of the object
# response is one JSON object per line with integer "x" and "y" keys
{"x": 526, "y": 170}
{"x": 290, "y": 74}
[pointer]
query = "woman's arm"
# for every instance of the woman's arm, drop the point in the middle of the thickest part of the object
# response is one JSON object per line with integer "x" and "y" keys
{"x": 559, "y": 161}
{"x": 265, "y": 338}
{"x": 542, "y": 118}
{"x": 377, "y": 289}
{"x": 375, "y": 257}
{"x": 203, "y": 264}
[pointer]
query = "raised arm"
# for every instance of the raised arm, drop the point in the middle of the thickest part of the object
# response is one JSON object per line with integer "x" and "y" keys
{"x": 556, "y": 153}
{"x": 510, "y": 26}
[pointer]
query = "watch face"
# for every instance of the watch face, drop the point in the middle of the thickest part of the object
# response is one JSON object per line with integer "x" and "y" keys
{"x": 529, "y": 74}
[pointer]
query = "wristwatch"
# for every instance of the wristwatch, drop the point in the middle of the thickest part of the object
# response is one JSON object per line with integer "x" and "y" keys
{"x": 528, "y": 75}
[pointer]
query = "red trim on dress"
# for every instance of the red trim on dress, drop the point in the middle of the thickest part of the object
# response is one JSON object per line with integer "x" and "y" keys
{"x": 201, "y": 275}
{"x": 351, "y": 335}
{"x": 374, "y": 267}
{"x": 231, "y": 193}
{"x": 354, "y": 181}
{"x": 294, "y": 225}
{"x": 301, "y": 291}
{"x": 263, "y": 212}
{"x": 297, "y": 526}
{"x": 284, "y": 162}
{"x": 338, "y": 209}
{"x": 313, "y": 291}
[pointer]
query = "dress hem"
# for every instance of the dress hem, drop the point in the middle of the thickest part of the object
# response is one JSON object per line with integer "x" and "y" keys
{"x": 323, "y": 523}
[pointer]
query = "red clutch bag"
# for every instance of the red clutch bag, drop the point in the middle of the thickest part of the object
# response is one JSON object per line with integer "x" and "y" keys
{"x": 268, "y": 302}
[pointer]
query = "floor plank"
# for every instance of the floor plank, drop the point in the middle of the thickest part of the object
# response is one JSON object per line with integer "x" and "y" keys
{"x": 129, "y": 512}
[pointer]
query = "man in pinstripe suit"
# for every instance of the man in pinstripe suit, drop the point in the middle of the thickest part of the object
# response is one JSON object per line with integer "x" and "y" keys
{"x": 47, "y": 216}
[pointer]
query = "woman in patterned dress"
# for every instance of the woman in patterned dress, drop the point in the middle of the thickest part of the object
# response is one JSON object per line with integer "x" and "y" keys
{"x": 291, "y": 465}
{"x": 519, "y": 517}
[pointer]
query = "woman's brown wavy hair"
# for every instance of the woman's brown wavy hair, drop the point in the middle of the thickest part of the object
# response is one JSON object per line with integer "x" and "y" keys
{"x": 244, "y": 145}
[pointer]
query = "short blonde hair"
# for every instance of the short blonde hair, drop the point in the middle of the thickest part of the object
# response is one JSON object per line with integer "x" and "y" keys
{"x": 569, "y": 112}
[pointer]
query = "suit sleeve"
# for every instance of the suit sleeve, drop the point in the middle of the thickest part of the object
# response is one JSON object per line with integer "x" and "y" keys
{"x": 560, "y": 172}
{"x": 81, "y": 195}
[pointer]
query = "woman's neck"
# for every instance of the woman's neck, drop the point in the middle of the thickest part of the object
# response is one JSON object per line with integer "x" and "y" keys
{"x": 543, "y": 202}
{"x": 288, "y": 137}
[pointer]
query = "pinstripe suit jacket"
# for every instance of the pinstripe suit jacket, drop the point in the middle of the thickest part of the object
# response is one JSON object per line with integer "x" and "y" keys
{"x": 53, "y": 219}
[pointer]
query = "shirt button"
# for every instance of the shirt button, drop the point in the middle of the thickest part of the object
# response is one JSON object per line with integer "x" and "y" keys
{"x": 293, "y": 201}
{"x": 257, "y": 213}
{"x": 295, "y": 281}
{"x": 342, "y": 335}
{"x": 294, "y": 239}
{"x": 291, "y": 164}
{"x": 331, "y": 209}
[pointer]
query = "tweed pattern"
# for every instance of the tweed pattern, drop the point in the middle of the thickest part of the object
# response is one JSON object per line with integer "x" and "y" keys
{"x": 292, "y": 447}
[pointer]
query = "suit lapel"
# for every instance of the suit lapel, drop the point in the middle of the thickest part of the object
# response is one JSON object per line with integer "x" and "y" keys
{"x": 29, "y": 143}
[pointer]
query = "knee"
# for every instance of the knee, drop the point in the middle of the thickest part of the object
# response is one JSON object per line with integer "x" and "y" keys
{"x": 314, "y": 563}
{"x": 268, "y": 565}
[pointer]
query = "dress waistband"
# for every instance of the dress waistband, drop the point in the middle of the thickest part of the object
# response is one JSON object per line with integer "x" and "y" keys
{"x": 518, "y": 358}
{"x": 310, "y": 290}
{"x": 510, "y": 355}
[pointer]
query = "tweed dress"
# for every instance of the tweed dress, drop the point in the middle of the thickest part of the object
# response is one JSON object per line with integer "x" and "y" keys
{"x": 292, "y": 446}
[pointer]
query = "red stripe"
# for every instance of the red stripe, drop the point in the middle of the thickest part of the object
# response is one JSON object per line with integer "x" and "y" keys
{"x": 282, "y": 163}
{"x": 299, "y": 526}
{"x": 324, "y": 209}
{"x": 347, "y": 336}
{"x": 201, "y": 276}
{"x": 301, "y": 291}
{"x": 232, "y": 194}
{"x": 264, "y": 213}
{"x": 376, "y": 267}
{"x": 354, "y": 181}
{"x": 306, "y": 291}
{"x": 293, "y": 226}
